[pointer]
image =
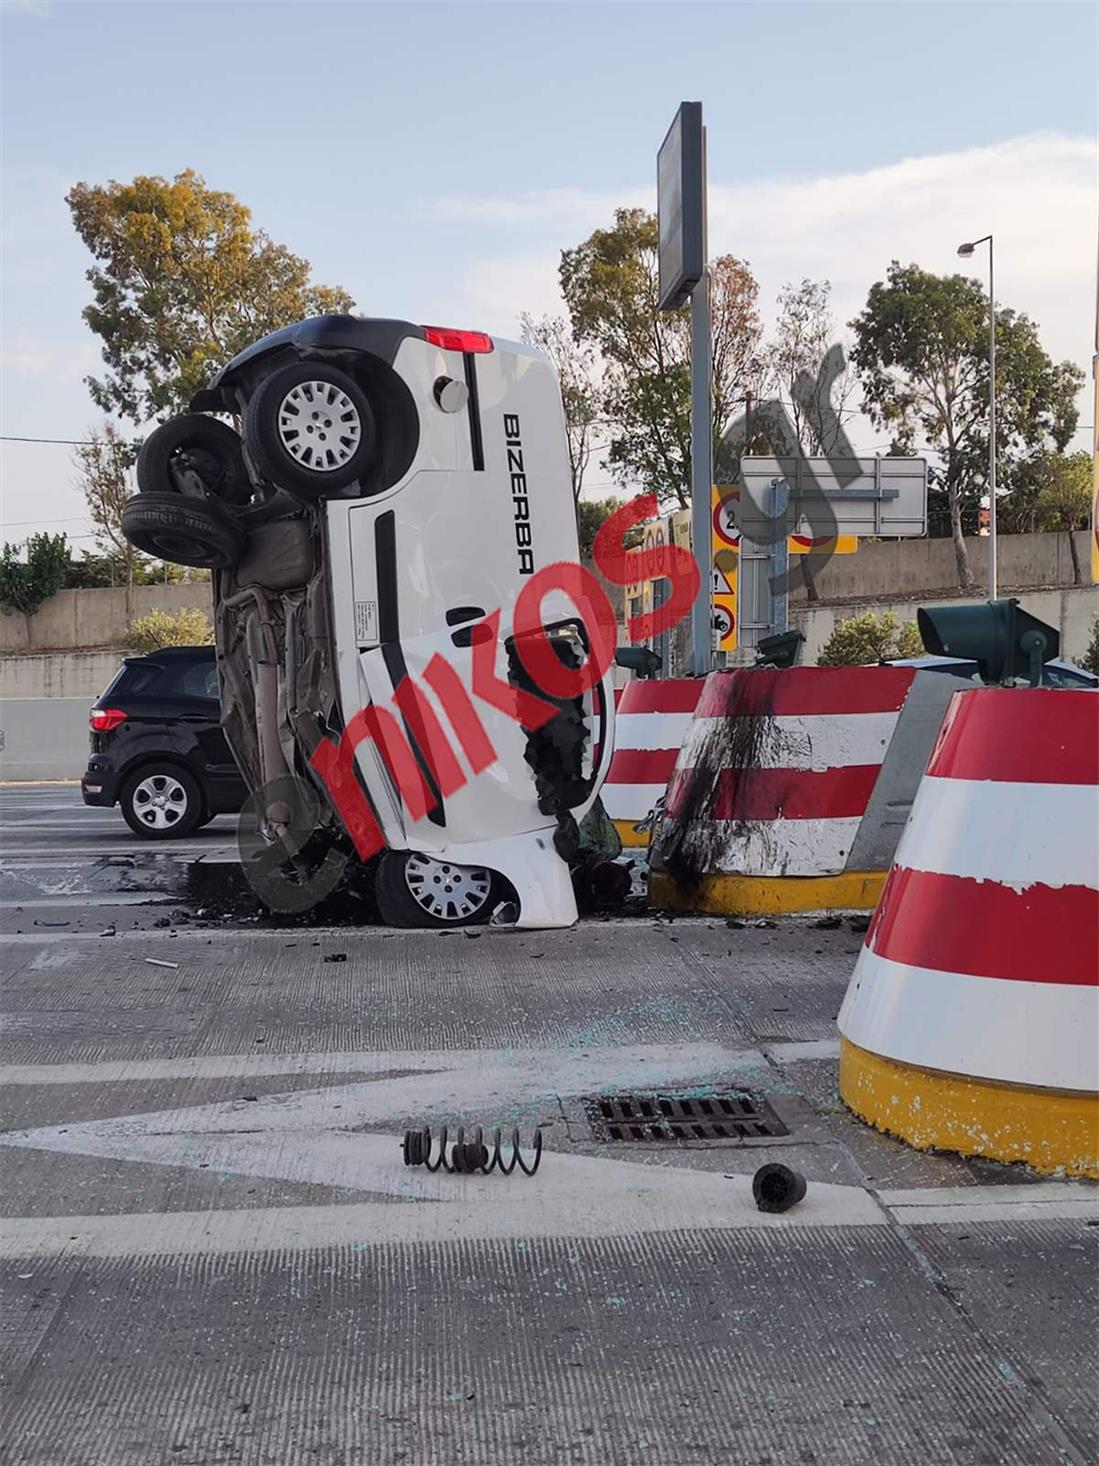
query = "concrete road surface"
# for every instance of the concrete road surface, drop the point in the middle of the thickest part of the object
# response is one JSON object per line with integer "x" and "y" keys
{"x": 211, "y": 1250}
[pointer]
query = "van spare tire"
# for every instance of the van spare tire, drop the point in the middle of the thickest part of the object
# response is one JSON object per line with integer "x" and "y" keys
{"x": 183, "y": 531}
{"x": 194, "y": 455}
{"x": 310, "y": 429}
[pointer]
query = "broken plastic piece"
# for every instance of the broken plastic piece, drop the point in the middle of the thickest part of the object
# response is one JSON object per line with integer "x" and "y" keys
{"x": 777, "y": 1188}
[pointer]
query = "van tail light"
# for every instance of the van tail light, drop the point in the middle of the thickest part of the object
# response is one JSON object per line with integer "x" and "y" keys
{"x": 105, "y": 720}
{"x": 451, "y": 340}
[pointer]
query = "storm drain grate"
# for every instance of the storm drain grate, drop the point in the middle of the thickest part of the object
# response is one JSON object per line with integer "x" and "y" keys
{"x": 678, "y": 1117}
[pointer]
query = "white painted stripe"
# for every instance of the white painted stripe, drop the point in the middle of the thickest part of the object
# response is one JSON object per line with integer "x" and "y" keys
{"x": 1015, "y": 834}
{"x": 782, "y": 847}
{"x": 1034, "y": 1033}
{"x": 961, "y": 1198}
{"x": 936, "y": 1214}
{"x": 825, "y": 741}
{"x": 555, "y": 1067}
{"x": 523, "y": 1075}
{"x": 571, "y": 1196}
{"x": 565, "y": 1199}
{"x": 651, "y": 730}
{"x": 809, "y": 1048}
{"x": 630, "y": 801}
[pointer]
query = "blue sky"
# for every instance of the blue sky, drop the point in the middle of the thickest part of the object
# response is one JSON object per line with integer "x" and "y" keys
{"x": 435, "y": 158}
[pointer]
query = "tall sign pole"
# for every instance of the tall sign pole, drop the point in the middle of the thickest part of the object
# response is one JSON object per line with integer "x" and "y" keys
{"x": 681, "y": 211}
{"x": 702, "y": 475}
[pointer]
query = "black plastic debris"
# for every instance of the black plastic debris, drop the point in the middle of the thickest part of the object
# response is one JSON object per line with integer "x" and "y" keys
{"x": 777, "y": 1188}
{"x": 336, "y": 957}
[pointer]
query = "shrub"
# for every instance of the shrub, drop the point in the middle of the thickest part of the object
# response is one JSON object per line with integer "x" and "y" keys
{"x": 870, "y": 638}
{"x": 1090, "y": 659}
{"x": 189, "y": 627}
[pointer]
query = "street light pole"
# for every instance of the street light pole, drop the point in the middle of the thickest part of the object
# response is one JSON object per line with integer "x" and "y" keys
{"x": 966, "y": 250}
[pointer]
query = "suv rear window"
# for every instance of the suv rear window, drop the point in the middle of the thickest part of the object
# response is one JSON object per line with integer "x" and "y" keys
{"x": 189, "y": 679}
{"x": 131, "y": 679}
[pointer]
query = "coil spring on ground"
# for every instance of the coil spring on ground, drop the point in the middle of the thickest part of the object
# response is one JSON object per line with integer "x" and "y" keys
{"x": 466, "y": 1156}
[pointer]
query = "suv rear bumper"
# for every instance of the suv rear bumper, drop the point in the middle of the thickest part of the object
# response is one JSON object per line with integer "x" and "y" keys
{"x": 99, "y": 784}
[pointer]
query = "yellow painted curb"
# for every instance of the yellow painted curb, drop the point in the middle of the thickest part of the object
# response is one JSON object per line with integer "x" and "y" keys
{"x": 734, "y": 895}
{"x": 1049, "y": 1129}
{"x": 631, "y": 839}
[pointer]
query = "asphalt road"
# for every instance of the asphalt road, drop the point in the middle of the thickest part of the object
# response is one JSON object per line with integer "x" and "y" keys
{"x": 211, "y": 1251}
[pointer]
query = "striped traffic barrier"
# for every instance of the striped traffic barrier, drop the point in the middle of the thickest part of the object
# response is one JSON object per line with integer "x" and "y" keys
{"x": 792, "y": 787}
{"x": 971, "y": 1022}
{"x": 652, "y": 722}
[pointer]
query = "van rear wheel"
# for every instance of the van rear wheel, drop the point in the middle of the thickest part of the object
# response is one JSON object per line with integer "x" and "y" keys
{"x": 310, "y": 429}
{"x": 414, "y": 890}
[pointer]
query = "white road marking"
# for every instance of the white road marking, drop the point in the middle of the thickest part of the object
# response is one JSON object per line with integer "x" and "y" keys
{"x": 1034, "y": 1202}
{"x": 572, "y": 1196}
{"x": 551, "y": 1063}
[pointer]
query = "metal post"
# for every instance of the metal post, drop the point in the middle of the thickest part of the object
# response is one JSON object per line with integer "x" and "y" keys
{"x": 702, "y": 453}
{"x": 779, "y": 558}
{"x": 992, "y": 569}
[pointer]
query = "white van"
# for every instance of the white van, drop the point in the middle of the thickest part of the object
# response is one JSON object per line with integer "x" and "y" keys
{"x": 395, "y": 489}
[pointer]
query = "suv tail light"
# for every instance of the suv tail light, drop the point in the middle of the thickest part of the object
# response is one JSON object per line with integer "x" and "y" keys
{"x": 452, "y": 340}
{"x": 105, "y": 720}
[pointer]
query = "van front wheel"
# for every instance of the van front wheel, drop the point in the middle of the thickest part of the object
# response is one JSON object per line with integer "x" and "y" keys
{"x": 414, "y": 890}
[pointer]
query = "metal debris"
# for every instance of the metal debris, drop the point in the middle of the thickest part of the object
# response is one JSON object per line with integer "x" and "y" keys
{"x": 466, "y": 1156}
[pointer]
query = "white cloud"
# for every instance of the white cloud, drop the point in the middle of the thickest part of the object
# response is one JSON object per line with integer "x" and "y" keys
{"x": 1036, "y": 194}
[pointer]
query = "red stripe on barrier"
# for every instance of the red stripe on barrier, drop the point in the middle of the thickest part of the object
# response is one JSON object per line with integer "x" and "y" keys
{"x": 678, "y": 695}
{"x": 804, "y": 691}
{"x": 778, "y": 794}
{"x": 642, "y": 765}
{"x": 1019, "y": 735}
{"x": 958, "y": 924}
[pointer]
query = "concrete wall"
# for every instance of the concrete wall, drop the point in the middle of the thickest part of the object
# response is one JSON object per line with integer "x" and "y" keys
{"x": 921, "y": 567}
{"x": 1071, "y": 611}
{"x": 74, "y": 619}
{"x": 58, "y": 674}
{"x": 44, "y": 738}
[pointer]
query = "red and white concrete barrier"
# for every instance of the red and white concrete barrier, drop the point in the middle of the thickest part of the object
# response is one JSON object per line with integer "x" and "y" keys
{"x": 776, "y": 804}
{"x": 652, "y": 722}
{"x": 972, "y": 1018}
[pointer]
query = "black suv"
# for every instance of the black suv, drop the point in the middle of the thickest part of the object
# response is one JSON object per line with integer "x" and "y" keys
{"x": 157, "y": 746}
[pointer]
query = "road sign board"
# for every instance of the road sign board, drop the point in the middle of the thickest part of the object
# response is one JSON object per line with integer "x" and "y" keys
{"x": 680, "y": 206}
{"x": 726, "y": 529}
{"x": 866, "y": 496}
{"x": 724, "y": 623}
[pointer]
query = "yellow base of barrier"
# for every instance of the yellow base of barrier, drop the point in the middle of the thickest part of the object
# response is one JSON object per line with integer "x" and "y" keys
{"x": 1051, "y": 1130}
{"x": 733, "y": 895}
{"x": 631, "y": 839}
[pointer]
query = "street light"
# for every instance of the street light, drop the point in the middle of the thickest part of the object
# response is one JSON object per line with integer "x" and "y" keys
{"x": 966, "y": 252}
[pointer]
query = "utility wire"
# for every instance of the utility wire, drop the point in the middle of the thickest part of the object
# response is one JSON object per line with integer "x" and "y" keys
{"x": 66, "y": 442}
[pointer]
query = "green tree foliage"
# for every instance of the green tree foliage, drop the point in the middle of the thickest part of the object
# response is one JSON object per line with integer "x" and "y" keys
{"x": 1051, "y": 493}
{"x": 28, "y": 579}
{"x": 921, "y": 351}
{"x": 182, "y": 281}
{"x": 1090, "y": 659}
{"x": 104, "y": 463}
{"x": 189, "y": 627}
{"x": 575, "y": 365}
{"x": 803, "y": 333}
{"x": 868, "y": 638}
{"x": 591, "y": 514}
{"x": 610, "y": 286}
